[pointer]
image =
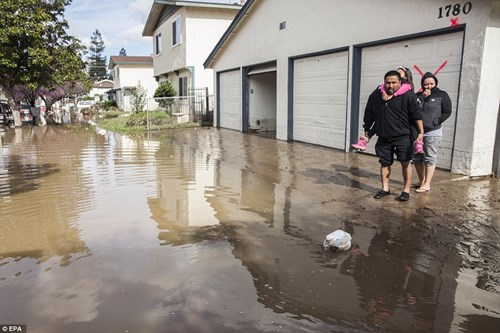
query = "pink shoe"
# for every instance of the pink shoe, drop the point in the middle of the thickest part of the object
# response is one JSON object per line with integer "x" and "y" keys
{"x": 419, "y": 147}
{"x": 361, "y": 144}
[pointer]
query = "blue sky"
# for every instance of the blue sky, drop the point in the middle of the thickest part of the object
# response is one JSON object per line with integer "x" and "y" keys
{"x": 120, "y": 23}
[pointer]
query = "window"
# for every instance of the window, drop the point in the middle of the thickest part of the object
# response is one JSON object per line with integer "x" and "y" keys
{"x": 158, "y": 44}
{"x": 176, "y": 31}
{"x": 183, "y": 86}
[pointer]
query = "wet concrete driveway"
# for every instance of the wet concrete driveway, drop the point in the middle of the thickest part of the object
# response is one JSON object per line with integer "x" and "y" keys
{"x": 206, "y": 230}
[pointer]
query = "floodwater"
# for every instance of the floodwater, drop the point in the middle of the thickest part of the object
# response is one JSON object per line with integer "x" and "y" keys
{"x": 206, "y": 230}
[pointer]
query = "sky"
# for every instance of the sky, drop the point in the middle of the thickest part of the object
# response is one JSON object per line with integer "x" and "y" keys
{"x": 120, "y": 23}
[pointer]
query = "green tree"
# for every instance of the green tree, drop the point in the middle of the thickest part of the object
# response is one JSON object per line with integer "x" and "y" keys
{"x": 96, "y": 60}
{"x": 164, "y": 94}
{"x": 138, "y": 98}
{"x": 35, "y": 50}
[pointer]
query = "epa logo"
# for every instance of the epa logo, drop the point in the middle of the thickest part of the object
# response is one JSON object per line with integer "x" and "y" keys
{"x": 13, "y": 328}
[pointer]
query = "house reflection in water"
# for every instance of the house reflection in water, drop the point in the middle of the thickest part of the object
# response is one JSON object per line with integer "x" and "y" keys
{"x": 256, "y": 205}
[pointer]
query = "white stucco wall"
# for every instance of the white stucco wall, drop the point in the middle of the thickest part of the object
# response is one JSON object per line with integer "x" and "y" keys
{"x": 171, "y": 57}
{"x": 198, "y": 51}
{"x": 130, "y": 76}
{"x": 204, "y": 28}
{"x": 328, "y": 24}
{"x": 487, "y": 106}
{"x": 201, "y": 29}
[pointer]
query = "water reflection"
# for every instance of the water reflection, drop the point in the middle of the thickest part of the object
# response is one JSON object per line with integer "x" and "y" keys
{"x": 211, "y": 230}
{"x": 37, "y": 199}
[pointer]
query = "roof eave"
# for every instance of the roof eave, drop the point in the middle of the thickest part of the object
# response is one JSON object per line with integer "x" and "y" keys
{"x": 158, "y": 6}
{"x": 153, "y": 16}
{"x": 227, "y": 33}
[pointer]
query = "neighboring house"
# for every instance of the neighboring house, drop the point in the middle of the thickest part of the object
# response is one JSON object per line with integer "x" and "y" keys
{"x": 306, "y": 68}
{"x": 183, "y": 34}
{"x": 99, "y": 90}
{"x": 127, "y": 72}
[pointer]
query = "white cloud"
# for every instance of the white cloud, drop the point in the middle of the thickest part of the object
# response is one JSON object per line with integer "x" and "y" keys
{"x": 141, "y": 7}
{"x": 120, "y": 24}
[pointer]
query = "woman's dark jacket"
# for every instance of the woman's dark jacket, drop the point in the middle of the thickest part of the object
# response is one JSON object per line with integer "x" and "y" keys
{"x": 436, "y": 108}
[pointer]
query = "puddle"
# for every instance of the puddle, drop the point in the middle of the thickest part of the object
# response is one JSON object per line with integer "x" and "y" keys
{"x": 206, "y": 230}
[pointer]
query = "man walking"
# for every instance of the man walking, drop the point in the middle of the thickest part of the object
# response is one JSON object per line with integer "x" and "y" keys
{"x": 393, "y": 118}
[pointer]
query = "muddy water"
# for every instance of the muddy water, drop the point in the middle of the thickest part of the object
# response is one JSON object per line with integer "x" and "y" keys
{"x": 206, "y": 230}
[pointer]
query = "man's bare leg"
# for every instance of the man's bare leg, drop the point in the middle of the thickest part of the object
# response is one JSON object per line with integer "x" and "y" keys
{"x": 385, "y": 174}
{"x": 407, "y": 171}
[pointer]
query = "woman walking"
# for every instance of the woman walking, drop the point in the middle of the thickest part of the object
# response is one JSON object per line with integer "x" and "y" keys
{"x": 436, "y": 108}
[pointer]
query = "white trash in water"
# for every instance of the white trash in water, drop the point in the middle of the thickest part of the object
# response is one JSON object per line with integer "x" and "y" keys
{"x": 337, "y": 240}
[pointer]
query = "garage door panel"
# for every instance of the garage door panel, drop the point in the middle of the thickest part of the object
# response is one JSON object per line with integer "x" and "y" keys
{"x": 428, "y": 54}
{"x": 230, "y": 100}
{"x": 449, "y": 46}
{"x": 324, "y": 112}
{"x": 372, "y": 56}
{"x": 300, "y": 89}
{"x": 370, "y": 83}
{"x": 340, "y": 89}
{"x": 319, "y": 109}
{"x": 418, "y": 52}
{"x": 325, "y": 87}
{"x": 394, "y": 54}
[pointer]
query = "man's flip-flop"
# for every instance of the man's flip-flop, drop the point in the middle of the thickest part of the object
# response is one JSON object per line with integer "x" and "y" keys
{"x": 381, "y": 194}
{"x": 415, "y": 186}
{"x": 422, "y": 190}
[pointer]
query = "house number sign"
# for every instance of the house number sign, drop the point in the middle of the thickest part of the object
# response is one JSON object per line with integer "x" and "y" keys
{"x": 454, "y": 10}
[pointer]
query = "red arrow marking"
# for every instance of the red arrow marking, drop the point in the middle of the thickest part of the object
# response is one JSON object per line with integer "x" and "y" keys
{"x": 418, "y": 70}
{"x": 440, "y": 67}
{"x": 435, "y": 73}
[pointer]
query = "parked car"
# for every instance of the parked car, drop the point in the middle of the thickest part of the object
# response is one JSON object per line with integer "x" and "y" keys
{"x": 6, "y": 115}
{"x": 25, "y": 112}
{"x": 69, "y": 107}
{"x": 84, "y": 104}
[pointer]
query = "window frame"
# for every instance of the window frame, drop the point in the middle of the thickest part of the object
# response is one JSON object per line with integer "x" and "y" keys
{"x": 176, "y": 31}
{"x": 183, "y": 87}
{"x": 158, "y": 43}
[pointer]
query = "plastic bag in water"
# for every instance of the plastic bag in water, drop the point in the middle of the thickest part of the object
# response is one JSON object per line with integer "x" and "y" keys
{"x": 337, "y": 240}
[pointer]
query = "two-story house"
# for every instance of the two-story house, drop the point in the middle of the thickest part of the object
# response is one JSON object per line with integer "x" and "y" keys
{"x": 100, "y": 88}
{"x": 183, "y": 34}
{"x": 128, "y": 72}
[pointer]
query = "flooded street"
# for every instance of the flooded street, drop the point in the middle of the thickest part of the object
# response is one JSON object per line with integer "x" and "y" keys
{"x": 206, "y": 230}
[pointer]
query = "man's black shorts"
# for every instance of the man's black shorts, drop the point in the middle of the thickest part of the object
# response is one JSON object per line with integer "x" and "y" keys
{"x": 385, "y": 150}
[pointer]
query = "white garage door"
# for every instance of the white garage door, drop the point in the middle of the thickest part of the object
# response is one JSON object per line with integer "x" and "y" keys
{"x": 428, "y": 54}
{"x": 320, "y": 99}
{"x": 230, "y": 100}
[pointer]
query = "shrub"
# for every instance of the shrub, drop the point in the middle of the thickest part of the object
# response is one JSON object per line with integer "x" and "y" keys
{"x": 109, "y": 104}
{"x": 137, "y": 119}
{"x": 159, "y": 118}
{"x": 165, "y": 89}
{"x": 113, "y": 113}
{"x": 138, "y": 98}
{"x": 156, "y": 118}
